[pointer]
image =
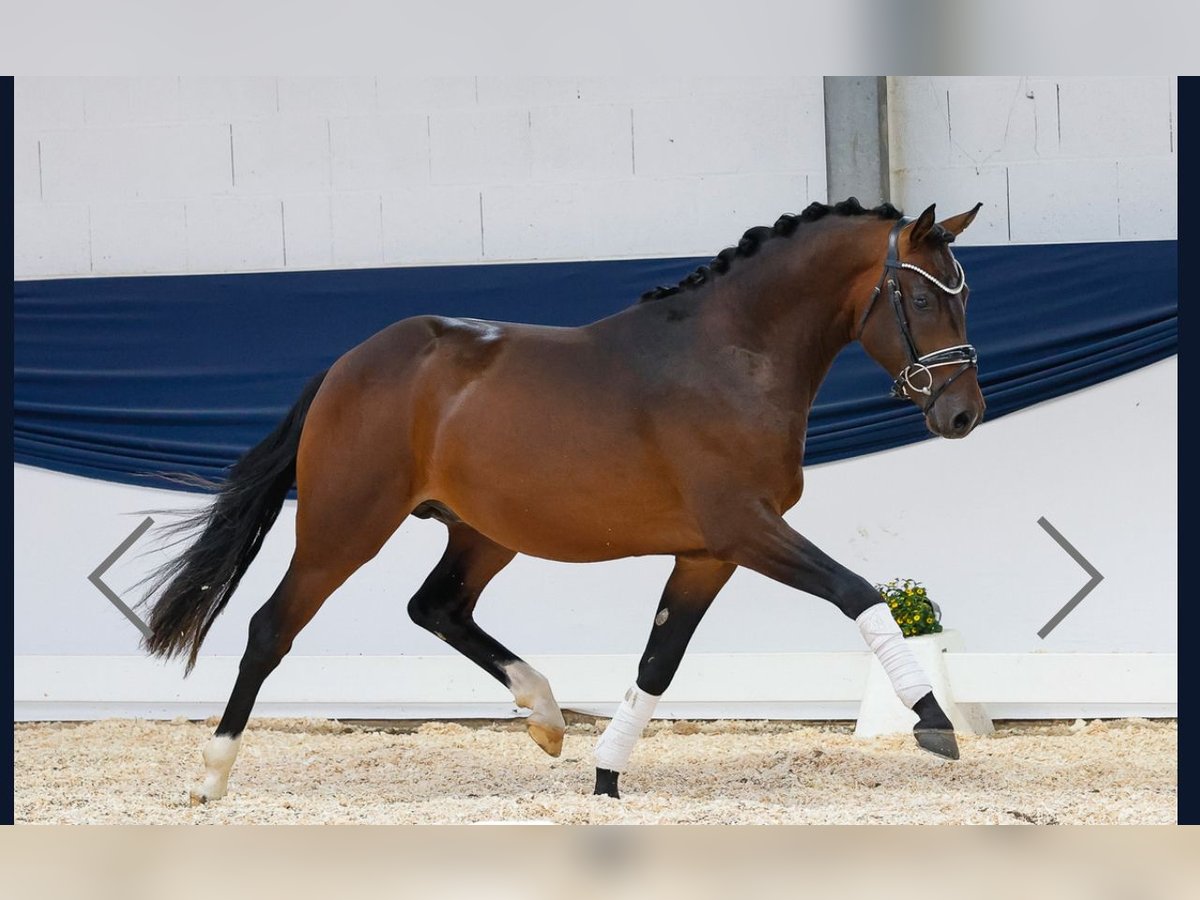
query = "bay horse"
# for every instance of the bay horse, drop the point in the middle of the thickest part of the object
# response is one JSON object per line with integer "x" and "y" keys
{"x": 675, "y": 426}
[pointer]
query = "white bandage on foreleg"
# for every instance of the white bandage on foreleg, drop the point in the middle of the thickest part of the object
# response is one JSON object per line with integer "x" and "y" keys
{"x": 616, "y": 744}
{"x": 886, "y": 641}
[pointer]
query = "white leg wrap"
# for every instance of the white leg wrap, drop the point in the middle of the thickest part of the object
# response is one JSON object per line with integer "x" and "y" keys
{"x": 886, "y": 641}
{"x": 616, "y": 744}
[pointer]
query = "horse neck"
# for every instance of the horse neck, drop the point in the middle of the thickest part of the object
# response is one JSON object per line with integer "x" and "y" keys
{"x": 798, "y": 303}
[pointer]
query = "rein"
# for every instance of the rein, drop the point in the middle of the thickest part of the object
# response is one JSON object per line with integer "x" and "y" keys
{"x": 919, "y": 366}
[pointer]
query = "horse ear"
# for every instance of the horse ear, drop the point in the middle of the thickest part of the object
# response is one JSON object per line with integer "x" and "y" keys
{"x": 956, "y": 225}
{"x": 920, "y": 228}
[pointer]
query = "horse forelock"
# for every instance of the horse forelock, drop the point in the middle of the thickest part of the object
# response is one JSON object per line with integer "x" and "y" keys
{"x": 785, "y": 226}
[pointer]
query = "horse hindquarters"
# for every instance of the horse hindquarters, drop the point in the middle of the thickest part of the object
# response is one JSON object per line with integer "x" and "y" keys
{"x": 353, "y": 476}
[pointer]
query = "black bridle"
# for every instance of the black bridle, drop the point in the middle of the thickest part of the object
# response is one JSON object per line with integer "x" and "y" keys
{"x": 918, "y": 366}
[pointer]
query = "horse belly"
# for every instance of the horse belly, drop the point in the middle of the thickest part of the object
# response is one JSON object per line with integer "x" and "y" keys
{"x": 580, "y": 528}
{"x": 574, "y": 485}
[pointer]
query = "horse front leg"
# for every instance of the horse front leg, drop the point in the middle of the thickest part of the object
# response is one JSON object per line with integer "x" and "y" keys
{"x": 689, "y": 592}
{"x": 764, "y": 542}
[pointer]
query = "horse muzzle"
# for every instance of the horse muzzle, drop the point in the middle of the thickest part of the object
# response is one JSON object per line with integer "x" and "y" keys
{"x": 955, "y": 417}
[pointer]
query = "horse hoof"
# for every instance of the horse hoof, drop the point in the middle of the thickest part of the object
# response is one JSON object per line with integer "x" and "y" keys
{"x": 548, "y": 737}
{"x": 938, "y": 741}
{"x": 199, "y": 795}
{"x": 606, "y": 784}
{"x": 211, "y": 789}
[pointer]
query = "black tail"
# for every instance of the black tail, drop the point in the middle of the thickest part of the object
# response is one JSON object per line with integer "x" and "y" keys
{"x": 200, "y": 581}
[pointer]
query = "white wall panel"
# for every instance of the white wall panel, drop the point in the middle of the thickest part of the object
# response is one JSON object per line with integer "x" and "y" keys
{"x": 1115, "y": 117}
{"x": 357, "y": 229}
{"x": 994, "y": 120}
{"x": 1061, "y": 144}
{"x": 257, "y": 222}
{"x": 27, "y": 168}
{"x": 755, "y": 198}
{"x": 280, "y": 155}
{"x": 123, "y": 101}
{"x": 480, "y": 145}
{"x": 150, "y": 237}
{"x": 48, "y": 102}
{"x": 649, "y": 147}
{"x": 303, "y": 143}
{"x": 320, "y": 95}
{"x": 957, "y": 190}
{"x": 524, "y": 91}
{"x": 581, "y": 143}
{"x": 380, "y": 152}
{"x": 540, "y": 221}
{"x": 1147, "y": 198}
{"x": 724, "y": 90}
{"x": 425, "y": 94}
{"x": 810, "y": 685}
{"x": 918, "y": 124}
{"x": 51, "y": 239}
{"x": 308, "y": 231}
{"x": 142, "y": 162}
{"x": 686, "y": 216}
{"x": 1049, "y": 201}
{"x": 431, "y": 224}
{"x": 227, "y": 98}
{"x": 754, "y": 135}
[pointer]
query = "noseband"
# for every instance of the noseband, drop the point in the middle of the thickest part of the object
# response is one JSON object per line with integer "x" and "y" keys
{"x": 917, "y": 377}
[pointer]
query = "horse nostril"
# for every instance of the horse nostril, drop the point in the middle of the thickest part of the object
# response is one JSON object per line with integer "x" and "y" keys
{"x": 962, "y": 422}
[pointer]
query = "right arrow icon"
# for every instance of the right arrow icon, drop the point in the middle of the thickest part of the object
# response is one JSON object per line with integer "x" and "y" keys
{"x": 1083, "y": 592}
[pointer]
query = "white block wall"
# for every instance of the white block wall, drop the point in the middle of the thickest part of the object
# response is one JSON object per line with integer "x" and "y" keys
{"x": 1052, "y": 159}
{"x": 151, "y": 175}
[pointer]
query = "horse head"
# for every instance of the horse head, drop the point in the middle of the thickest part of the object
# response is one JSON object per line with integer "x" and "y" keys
{"x": 914, "y": 324}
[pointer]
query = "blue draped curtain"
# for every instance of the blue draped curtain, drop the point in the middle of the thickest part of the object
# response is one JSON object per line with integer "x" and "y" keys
{"x": 123, "y": 378}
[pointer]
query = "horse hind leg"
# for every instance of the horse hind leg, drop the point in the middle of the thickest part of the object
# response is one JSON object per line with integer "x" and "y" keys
{"x": 444, "y": 605}
{"x": 319, "y": 566}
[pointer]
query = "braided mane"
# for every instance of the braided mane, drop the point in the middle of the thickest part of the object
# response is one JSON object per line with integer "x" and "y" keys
{"x": 785, "y": 226}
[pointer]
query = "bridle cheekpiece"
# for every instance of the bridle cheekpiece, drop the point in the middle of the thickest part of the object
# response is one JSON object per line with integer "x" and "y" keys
{"x": 917, "y": 377}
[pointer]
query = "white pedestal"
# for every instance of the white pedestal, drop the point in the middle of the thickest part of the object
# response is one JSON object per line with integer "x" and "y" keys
{"x": 881, "y": 711}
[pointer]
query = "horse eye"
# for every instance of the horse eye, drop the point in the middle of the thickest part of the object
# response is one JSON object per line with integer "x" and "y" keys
{"x": 920, "y": 301}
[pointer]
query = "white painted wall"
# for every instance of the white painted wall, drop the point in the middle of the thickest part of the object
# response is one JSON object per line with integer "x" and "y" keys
{"x": 961, "y": 516}
{"x": 1052, "y": 159}
{"x": 151, "y": 175}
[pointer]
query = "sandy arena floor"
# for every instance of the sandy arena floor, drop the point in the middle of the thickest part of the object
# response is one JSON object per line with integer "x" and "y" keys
{"x": 316, "y": 771}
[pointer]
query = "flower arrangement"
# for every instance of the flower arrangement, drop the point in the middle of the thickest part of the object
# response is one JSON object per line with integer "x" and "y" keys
{"x": 911, "y": 607}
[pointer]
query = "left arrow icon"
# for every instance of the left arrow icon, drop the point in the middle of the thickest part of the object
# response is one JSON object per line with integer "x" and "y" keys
{"x": 113, "y": 597}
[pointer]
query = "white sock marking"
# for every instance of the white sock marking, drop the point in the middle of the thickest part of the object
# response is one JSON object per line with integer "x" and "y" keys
{"x": 532, "y": 691}
{"x": 219, "y": 754}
